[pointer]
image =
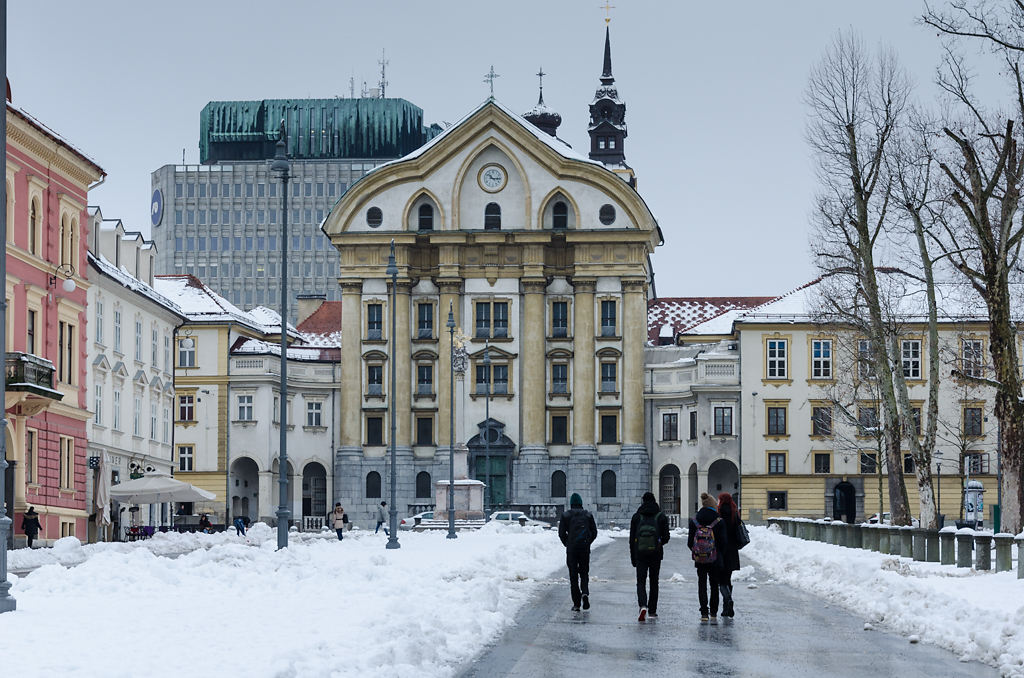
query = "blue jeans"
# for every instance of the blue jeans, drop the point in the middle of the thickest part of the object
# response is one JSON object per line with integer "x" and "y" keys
{"x": 379, "y": 523}
{"x": 341, "y": 533}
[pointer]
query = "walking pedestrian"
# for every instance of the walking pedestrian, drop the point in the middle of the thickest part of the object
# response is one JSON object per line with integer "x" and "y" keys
{"x": 239, "y": 524}
{"x": 648, "y": 534}
{"x": 338, "y": 520}
{"x": 382, "y": 518}
{"x": 577, "y": 530}
{"x": 706, "y": 542}
{"x": 731, "y": 552}
{"x": 30, "y": 525}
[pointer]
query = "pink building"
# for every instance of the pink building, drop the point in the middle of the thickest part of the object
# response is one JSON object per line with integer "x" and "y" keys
{"x": 47, "y": 404}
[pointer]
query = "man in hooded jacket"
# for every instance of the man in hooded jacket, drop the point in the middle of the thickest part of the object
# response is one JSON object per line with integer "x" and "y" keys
{"x": 577, "y": 530}
{"x": 648, "y": 534}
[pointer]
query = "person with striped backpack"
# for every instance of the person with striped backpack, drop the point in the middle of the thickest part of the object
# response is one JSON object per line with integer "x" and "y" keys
{"x": 707, "y": 543}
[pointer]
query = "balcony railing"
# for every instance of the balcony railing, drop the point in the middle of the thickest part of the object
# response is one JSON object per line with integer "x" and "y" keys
{"x": 27, "y": 372}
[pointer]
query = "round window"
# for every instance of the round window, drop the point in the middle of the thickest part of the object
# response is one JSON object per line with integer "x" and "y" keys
{"x": 374, "y": 217}
{"x": 606, "y": 215}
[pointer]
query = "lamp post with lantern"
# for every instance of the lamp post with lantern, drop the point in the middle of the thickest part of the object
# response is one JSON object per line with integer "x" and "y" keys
{"x": 280, "y": 167}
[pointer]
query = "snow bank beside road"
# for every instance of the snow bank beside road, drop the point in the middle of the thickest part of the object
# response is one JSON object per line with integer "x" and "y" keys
{"x": 319, "y": 608}
{"x": 978, "y": 615}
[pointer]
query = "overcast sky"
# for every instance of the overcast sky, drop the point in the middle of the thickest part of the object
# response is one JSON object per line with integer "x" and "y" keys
{"x": 713, "y": 92}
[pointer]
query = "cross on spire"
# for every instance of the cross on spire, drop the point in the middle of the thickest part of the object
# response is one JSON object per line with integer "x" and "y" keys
{"x": 607, "y": 7}
{"x": 540, "y": 76}
{"x": 489, "y": 79}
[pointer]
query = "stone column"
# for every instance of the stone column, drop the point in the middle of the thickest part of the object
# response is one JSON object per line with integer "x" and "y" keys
{"x": 450, "y": 290}
{"x": 919, "y": 543}
{"x": 895, "y": 540}
{"x": 351, "y": 366}
{"x": 403, "y": 368}
{"x": 931, "y": 546}
{"x": 983, "y": 551}
{"x": 1020, "y": 561}
{"x": 947, "y": 547}
{"x": 531, "y": 363}
{"x": 964, "y": 544}
{"x": 634, "y": 336}
{"x": 583, "y": 367}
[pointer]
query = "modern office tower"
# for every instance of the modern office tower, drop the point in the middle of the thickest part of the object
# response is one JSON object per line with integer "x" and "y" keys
{"x": 221, "y": 220}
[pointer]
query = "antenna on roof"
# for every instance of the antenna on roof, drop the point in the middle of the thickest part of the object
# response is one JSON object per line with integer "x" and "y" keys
{"x": 382, "y": 85}
{"x": 183, "y": 156}
{"x": 352, "y": 87}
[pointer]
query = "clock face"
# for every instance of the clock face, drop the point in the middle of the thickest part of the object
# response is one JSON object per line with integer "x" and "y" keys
{"x": 492, "y": 178}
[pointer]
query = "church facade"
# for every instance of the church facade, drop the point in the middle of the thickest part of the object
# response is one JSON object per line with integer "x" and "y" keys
{"x": 541, "y": 255}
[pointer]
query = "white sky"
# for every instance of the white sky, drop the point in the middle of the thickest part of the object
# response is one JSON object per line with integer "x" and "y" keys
{"x": 713, "y": 93}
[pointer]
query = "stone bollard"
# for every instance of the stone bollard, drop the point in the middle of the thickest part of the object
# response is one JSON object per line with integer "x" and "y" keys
{"x": 855, "y": 536}
{"x": 895, "y": 543}
{"x": 906, "y": 541}
{"x": 1019, "y": 539}
{"x": 983, "y": 551}
{"x": 883, "y": 538}
{"x": 838, "y": 533}
{"x": 947, "y": 547}
{"x": 919, "y": 546}
{"x": 964, "y": 544}
{"x": 829, "y": 536}
{"x": 931, "y": 546}
{"x": 802, "y": 528}
{"x": 1004, "y": 551}
{"x": 819, "y": 530}
{"x": 788, "y": 527}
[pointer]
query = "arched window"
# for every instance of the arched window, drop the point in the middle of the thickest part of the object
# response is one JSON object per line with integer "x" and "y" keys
{"x": 63, "y": 240}
{"x": 33, "y": 226}
{"x": 558, "y": 484}
{"x": 560, "y": 215}
{"x": 373, "y": 485}
{"x": 608, "y": 484}
{"x": 492, "y": 217}
{"x": 422, "y": 485}
{"x": 426, "y": 217}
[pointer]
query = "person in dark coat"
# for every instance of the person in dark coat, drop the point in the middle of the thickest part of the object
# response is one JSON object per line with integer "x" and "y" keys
{"x": 707, "y": 574}
{"x": 645, "y": 555}
{"x": 577, "y": 530}
{"x": 204, "y": 524}
{"x": 30, "y": 525}
{"x": 731, "y": 553}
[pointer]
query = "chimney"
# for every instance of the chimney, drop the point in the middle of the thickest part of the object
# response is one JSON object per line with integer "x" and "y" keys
{"x": 308, "y": 304}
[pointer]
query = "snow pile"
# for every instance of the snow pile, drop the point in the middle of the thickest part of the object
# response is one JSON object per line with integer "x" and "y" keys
{"x": 978, "y": 615}
{"x": 320, "y": 608}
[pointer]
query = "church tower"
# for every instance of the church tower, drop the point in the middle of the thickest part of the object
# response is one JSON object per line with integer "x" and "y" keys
{"x": 608, "y": 121}
{"x": 542, "y": 115}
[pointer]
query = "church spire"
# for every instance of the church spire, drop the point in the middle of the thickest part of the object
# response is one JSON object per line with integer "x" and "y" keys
{"x": 607, "y": 127}
{"x": 541, "y": 115}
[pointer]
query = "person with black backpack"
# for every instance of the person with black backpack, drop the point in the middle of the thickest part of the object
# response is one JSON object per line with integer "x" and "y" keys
{"x": 736, "y": 537}
{"x": 577, "y": 530}
{"x": 707, "y": 543}
{"x": 648, "y": 534}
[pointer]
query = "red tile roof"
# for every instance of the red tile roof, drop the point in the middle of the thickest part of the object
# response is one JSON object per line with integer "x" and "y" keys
{"x": 324, "y": 320}
{"x": 682, "y": 313}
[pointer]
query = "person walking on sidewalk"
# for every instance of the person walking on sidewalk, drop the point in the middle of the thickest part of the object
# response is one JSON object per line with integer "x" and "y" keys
{"x": 577, "y": 530}
{"x": 382, "y": 518}
{"x": 648, "y": 534}
{"x": 30, "y": 525}
{"x": 338, "y": 520}
{"x": 706, "y": 542}
{"x": 730, "y": 516}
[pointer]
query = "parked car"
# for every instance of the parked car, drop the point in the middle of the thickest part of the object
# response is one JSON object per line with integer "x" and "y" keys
{"x": 410, "y": 522}
{"x": 516, "y": 518}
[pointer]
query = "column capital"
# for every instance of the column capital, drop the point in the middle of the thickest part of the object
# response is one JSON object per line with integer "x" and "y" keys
{"x": 534, "y": 285}
{"x": 634, "y": 286}
{"x": 351, "y": 287}
{"x": 450, "y": 286}
{"x": 584, "y": 285}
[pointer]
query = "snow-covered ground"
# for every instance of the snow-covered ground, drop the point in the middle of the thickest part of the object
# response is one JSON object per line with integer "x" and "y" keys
{"x": 228, "y": 605}
{"x": 978, "y": 615}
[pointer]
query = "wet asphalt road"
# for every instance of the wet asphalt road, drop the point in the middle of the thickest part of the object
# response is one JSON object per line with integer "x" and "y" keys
{"x": 777, "y": 632}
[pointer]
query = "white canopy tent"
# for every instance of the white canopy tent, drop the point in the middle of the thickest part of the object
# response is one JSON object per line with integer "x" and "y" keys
{"x": 157, "y": 487}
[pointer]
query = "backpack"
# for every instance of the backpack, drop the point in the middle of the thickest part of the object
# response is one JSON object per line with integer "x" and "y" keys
{"x": 704, "y": 551}
{"x": 579, "y": 530}
{"x": 647, "y": 541}
{"x": 742, "y": 536}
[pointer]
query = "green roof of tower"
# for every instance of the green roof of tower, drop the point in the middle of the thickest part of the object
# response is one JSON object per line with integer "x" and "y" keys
{"x": 317, "y": 129}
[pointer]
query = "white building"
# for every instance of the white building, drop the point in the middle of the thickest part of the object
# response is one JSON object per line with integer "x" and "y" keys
{"x": 130, "y": 378}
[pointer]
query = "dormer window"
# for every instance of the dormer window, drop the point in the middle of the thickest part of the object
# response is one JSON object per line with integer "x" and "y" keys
{"x": 492, "y": 217}
{"x": 560, "y": 215}
{"x": 426, "y": 217}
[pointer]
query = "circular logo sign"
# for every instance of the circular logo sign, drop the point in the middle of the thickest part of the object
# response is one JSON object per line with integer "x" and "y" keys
{"x": 156, "y": 207}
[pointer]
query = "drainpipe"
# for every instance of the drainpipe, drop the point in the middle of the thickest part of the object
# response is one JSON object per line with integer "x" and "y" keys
{"x": 739, "y": 430}
{"x": 227, "y": 442}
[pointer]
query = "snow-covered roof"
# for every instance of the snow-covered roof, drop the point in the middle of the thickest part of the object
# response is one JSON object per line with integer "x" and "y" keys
{"x": 199, "y": 303}
{"x": 323, "y": 326}
{"x": 270, "y": 318}
{"x": 668, "y": 316}
{"x": 127, "y": 280}
{"x": 48, "y": 131}
{"x": 249, "y": 346}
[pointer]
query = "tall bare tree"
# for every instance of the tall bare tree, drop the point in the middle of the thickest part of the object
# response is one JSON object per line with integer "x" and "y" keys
{"x": 856, "y": 102}
{"x": 985, "y": 168}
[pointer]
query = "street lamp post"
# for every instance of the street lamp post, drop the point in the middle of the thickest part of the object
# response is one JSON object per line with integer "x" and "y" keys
{"x": 392, "y": 271}
{"x": 7, "y": 602}
{"x": 451, "y": 422}
{"x": 280, "y": 167}
{"x": 487, "y": 424}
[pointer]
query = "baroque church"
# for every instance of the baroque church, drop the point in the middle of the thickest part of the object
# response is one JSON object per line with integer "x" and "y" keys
{"x": 541, "y": 256}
